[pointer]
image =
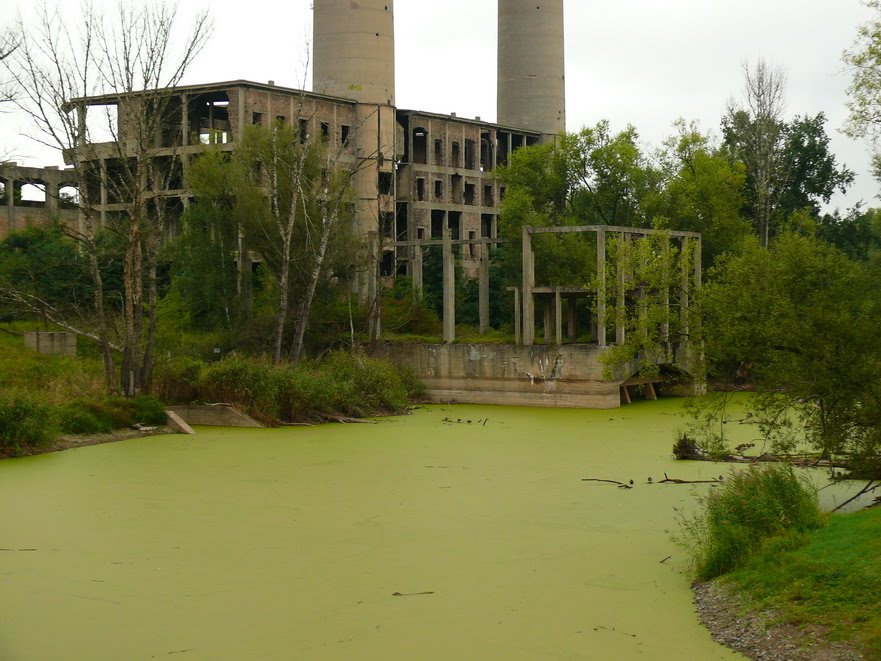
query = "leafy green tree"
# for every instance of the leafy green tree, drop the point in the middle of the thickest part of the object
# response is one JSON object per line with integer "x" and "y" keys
{"x": 858, "y": 234}
{"x": 801, "y": 319}
{"x": 204, "y": 263}
{"x": 43, "y": 274}
{"x": 703, "y": 192}
{"x": 864, "y": 92}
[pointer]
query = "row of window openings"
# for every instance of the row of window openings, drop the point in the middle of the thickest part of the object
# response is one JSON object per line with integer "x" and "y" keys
{"x": 452, "y": 220}
{"x": 324, "y": 127}
{"x": 462, "y": 194}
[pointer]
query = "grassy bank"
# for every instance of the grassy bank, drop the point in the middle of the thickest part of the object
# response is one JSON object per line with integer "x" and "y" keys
{"x": 343, "y": 384}
{"x": 763, "y": 536}
{"x": 829, "y": 578}
{"x": 44, "y": 396}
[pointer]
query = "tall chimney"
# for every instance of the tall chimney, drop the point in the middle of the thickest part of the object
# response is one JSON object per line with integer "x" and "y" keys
{"x": 354, "y": 50}
{"x": 532, "y": 90}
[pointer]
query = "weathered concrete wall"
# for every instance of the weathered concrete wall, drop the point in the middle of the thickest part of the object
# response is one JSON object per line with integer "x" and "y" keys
{"x": 214, "y": 416}
{"x": 62, "y": 344}
{"x": 569, "y": 376}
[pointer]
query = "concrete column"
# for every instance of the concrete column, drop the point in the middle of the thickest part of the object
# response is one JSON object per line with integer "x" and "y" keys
{"x": 621, "y": 302}
{"x": 572, "y": 313}
{"x": 518, "y": 327}
{"x": 81, "y": 111}
{"x": 51, "y": 195}
{"x": 449, "y": 289}
{"x": 558, "y": 318}
{"x": 373, "y": 247}
{"x": 483, "y": 287}
{"x": 548, "y": 319}
{"x": 665, "y": 278}
{"x": 528, "y": 285}
{"x": 10, "y": 204}
{"x": 417, "y": 269}
{"x": 686, "y": 288}
{"x": 103, "y": 192}
{"x": 185, "y": 120}
{"x": 601, "y": 287}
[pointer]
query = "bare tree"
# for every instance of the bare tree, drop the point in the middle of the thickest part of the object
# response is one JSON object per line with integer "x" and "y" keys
{"x": 129, "y": 63}
{"x": 758, "y": 127}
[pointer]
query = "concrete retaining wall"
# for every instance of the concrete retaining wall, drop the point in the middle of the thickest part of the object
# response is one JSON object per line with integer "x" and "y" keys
{"x": 63, "y": 344}
{"x": 568, "y": 376}
{"x": 220, "y": 415}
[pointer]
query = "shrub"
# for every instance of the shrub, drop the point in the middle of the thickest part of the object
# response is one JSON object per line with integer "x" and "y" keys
{"x": 177, "y": 382}
{"x": 249, "y": 383}
{"x": 755, "y": 506}
{"x": 25, "y": 423}
{"x": 80, "y": 418}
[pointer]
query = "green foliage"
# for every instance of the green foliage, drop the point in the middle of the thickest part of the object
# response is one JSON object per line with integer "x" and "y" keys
{"x": 801, "y": 320}
{"x": 829, "y": 578}
{"x": 105, "y": 415}
{"x": 25, "y": 424}
{"x": 248, "y": 382}
{"x": 404, "y": 311}
{"x": 342, "y": 384}
{"x": 42, "y": 269}
{"x": 755, "y": 506}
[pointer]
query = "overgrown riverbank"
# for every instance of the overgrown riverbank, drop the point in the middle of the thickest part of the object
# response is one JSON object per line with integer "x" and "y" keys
{"x": 47, "y": 401}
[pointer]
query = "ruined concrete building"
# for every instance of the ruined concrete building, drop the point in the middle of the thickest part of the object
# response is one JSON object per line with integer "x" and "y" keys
{"x": 420, "y": 173}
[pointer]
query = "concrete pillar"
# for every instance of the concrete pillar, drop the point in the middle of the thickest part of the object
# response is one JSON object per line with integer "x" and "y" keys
{"x": 373, "y": 247}
{"x": 417, "y": 269}
{"x": 449, "y": 289}
{"x": 483, "y": 287}
{"x": 51, "y": 195}
{"x": 601, "y": 287}
{"x": 548, "y": 319}
{"x": 686, "y": 288}
{"x": 665, "y": 294}
{"x": 621, "y": 299}
{"x": 528, "y": 285}
{"x": 185, "y": 120}
{"x": 518, "y": 326}
{"x": 10, "y": 204}
{"x": 572, "y": 313}
{"x": 558, "y": 318}
{"x": 103, "y": 192}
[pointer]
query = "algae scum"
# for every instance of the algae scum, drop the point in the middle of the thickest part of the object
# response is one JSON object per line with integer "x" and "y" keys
{"x": 413, "y": 538}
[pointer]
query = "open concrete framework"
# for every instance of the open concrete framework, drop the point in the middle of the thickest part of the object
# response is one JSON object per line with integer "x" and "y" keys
{"x": 56, "y": 186}
{"x": 552, "y": 374}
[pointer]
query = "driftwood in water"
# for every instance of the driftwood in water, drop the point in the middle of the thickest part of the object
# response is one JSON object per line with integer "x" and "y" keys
{"x": 671, "y": 480}
{"x": 621, "y": 485}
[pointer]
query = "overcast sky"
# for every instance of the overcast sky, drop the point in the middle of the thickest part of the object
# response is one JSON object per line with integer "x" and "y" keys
{"x": 642, "y": 62}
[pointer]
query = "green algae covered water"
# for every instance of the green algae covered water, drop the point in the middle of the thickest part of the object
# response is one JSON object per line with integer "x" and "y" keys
{"x": 413, "y": 538}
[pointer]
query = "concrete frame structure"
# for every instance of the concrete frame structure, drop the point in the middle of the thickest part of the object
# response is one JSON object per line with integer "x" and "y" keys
{"x": 16, "y": 214}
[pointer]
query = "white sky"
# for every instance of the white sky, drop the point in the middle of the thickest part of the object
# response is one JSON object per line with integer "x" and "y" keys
{"x": 643, "y": 62}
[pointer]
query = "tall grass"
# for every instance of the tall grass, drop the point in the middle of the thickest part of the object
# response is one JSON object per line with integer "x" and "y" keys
{"x": 754, "y": 507}
{"x": 343, "y": 384}
{"x": 25, "y": 423}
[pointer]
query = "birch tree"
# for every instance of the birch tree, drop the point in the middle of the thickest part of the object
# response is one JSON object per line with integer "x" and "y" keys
{"x": 131, "y": 61}
{"x": 754, "y": 127}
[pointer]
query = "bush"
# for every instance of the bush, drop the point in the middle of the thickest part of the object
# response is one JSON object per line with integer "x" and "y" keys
{"x": 103, "y": 416}
{"x": 80, "y": 418}
{"x": 177, "y": 382}
{"x": 25, "y": 424}
{"x": 249, "y": 383}
{"x": 754, "y": 507}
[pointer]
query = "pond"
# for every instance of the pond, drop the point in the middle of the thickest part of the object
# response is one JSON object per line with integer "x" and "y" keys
{"x": 417, "y": 537}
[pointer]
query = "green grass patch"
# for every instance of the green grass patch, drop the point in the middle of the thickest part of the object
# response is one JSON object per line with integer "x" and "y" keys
{"x": 757, "y": 506}
{"x": 829, "y": 577}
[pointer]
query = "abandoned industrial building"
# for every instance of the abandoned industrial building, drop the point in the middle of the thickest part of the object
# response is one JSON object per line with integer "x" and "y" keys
{"x": 420, "y": 178}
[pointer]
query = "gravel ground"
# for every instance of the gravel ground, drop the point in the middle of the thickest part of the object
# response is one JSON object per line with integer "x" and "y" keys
{"x": 761, "y": 635}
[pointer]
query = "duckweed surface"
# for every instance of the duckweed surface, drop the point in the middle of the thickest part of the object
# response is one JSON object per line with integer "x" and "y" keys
{"x": 419, "y": 537}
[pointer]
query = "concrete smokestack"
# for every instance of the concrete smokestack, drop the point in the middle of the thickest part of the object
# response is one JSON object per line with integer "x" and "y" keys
{"x": 354, "y": 50}
{"x": 532, "y": 90}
